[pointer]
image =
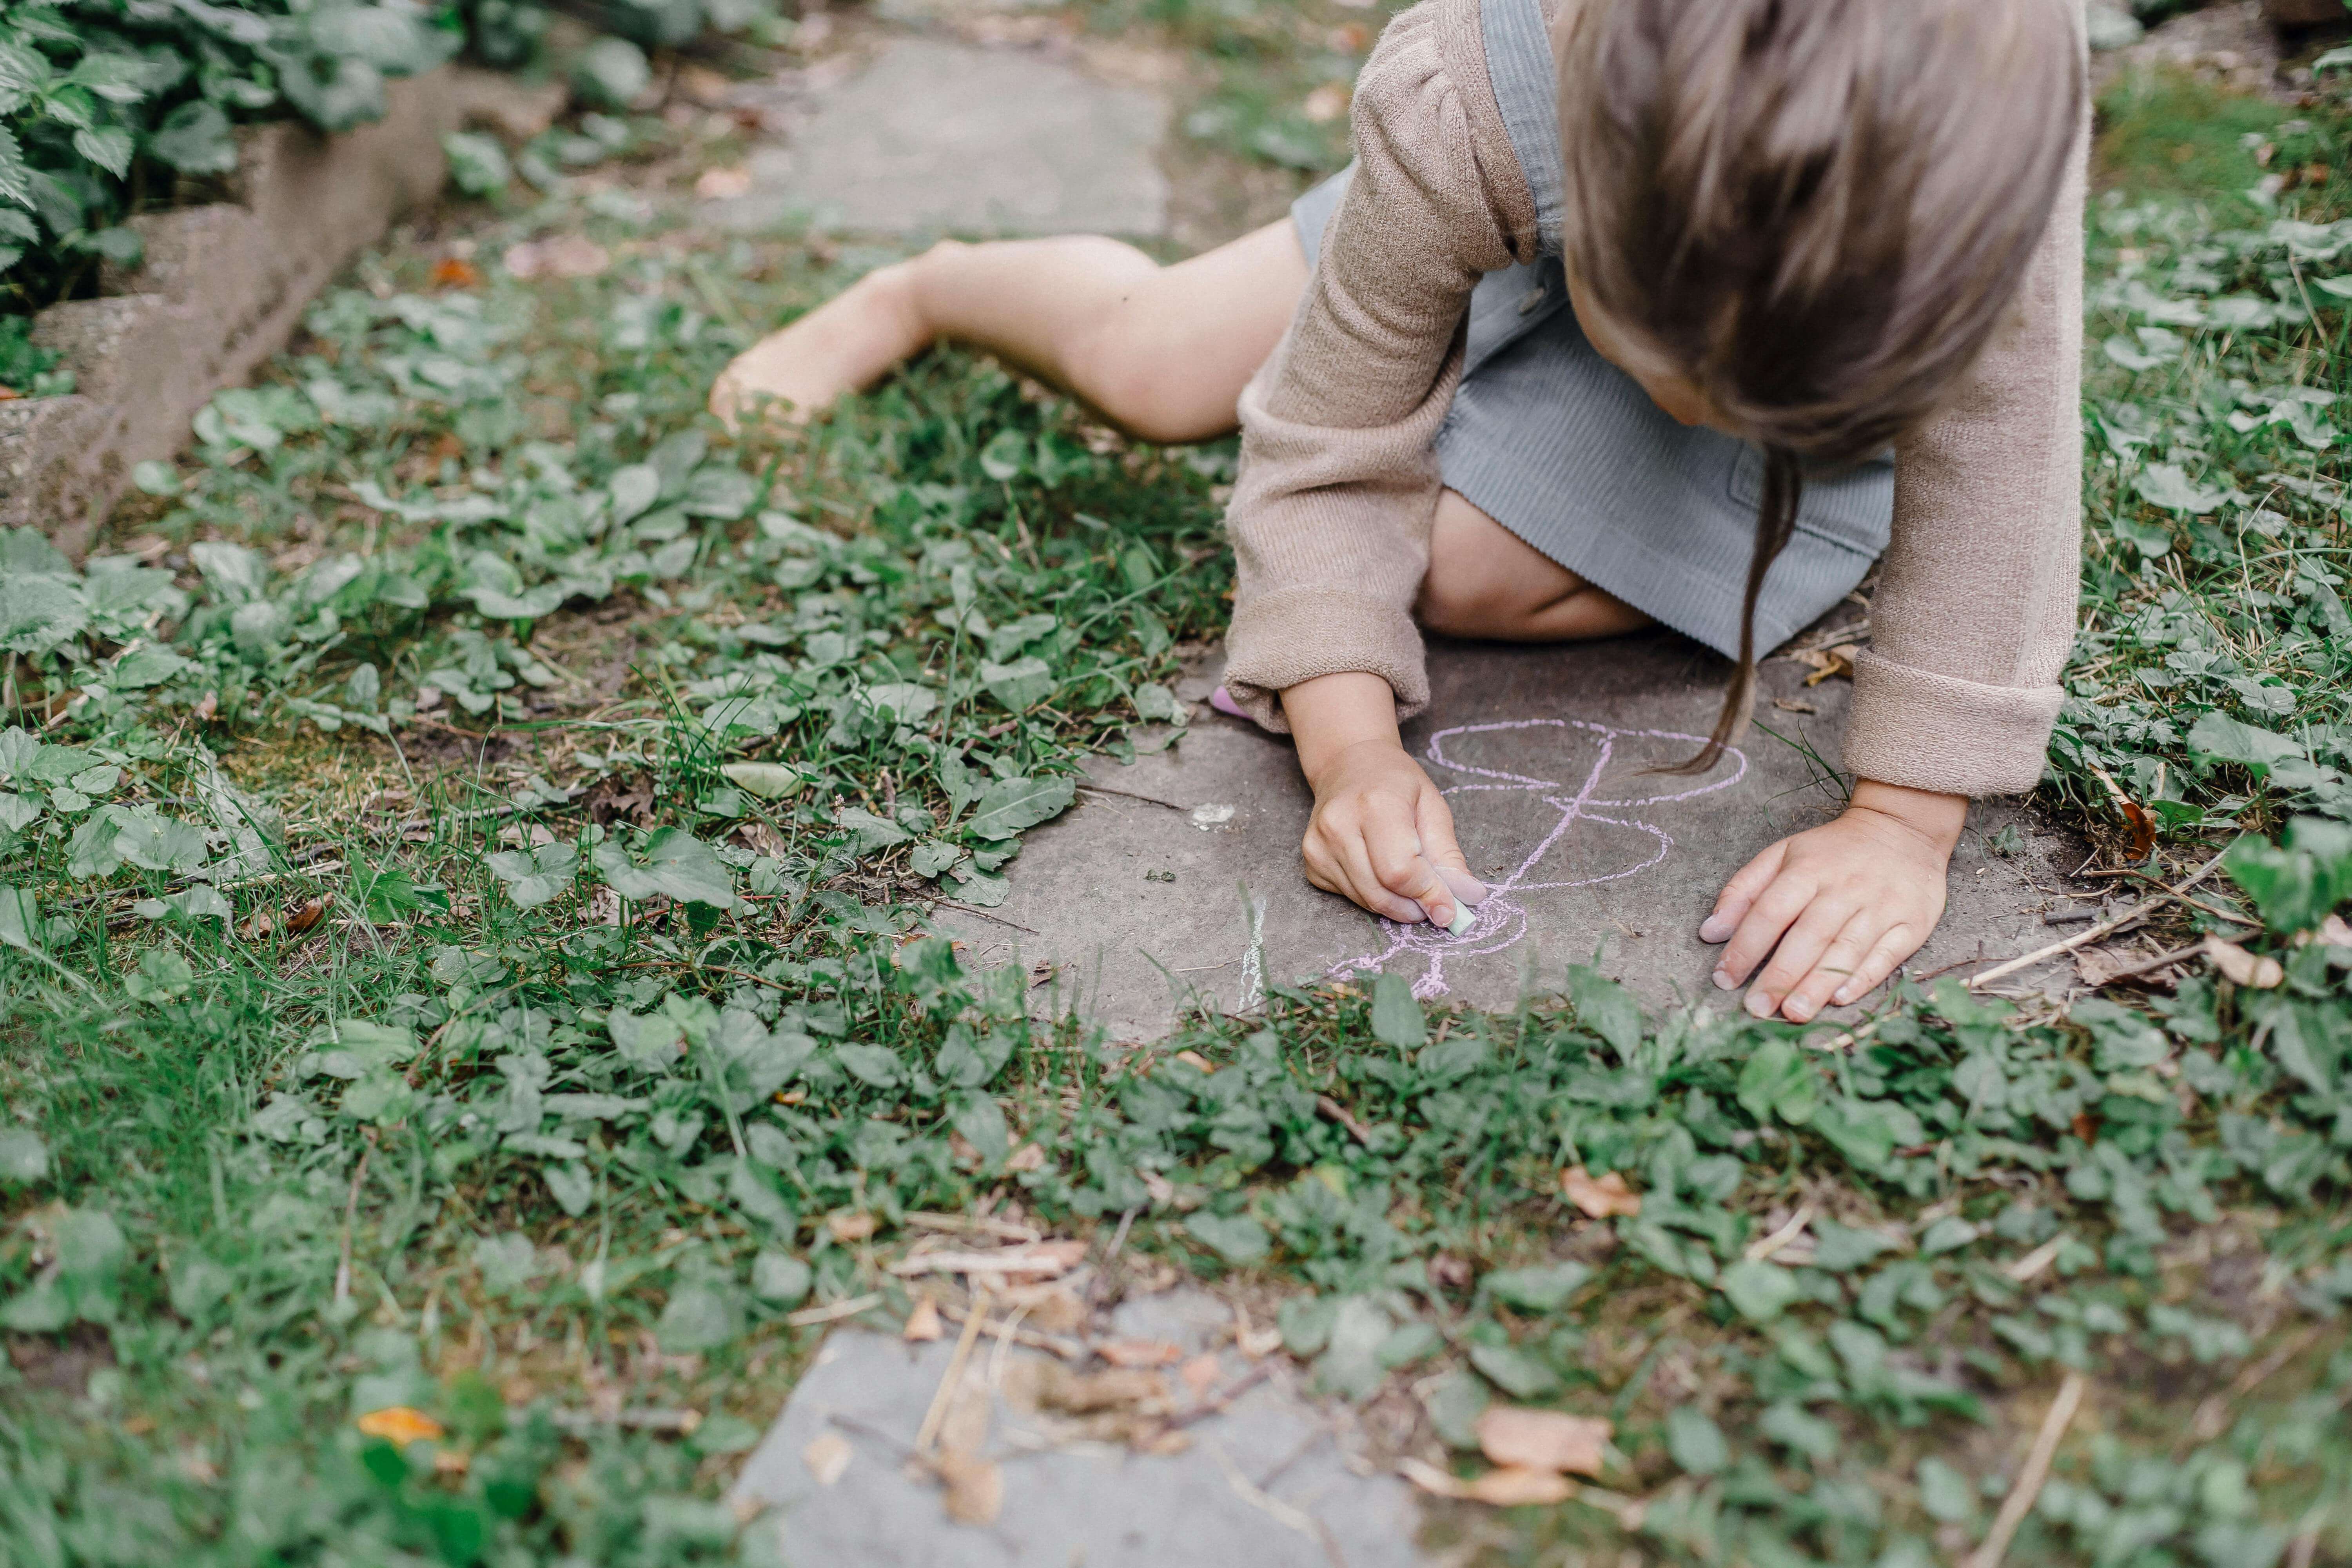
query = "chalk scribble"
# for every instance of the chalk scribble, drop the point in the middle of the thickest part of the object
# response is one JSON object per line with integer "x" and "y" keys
{"x": 1501, "y": 920}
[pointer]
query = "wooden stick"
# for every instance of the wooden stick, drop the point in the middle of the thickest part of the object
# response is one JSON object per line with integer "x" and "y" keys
{"x": 2104, "y": 928}
{"x": 2037, "y": 1470}
{"x": 936, "y": 1416}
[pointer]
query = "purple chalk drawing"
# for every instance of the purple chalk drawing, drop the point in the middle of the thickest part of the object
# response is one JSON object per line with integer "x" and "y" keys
{"x": 1502, "y": 921}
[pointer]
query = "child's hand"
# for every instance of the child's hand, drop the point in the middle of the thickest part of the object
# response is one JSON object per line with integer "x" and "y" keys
{"x": 1381, "y": 835}
{"x": 1845, "y": 903}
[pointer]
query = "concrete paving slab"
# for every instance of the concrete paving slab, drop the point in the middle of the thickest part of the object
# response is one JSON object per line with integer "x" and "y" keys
{"x": 1198, "y": 900}
{"x": 1268, "y": 1483}
{"x": 936, "y": 137}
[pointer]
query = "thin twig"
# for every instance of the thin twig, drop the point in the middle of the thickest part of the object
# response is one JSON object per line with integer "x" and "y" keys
{"x": 1761, "y": 1249}
{"x": 1130, "y": 794}
{"x": 1052, "y": 1344}
{"x": 2037, "y": 1470}
{"x": 983, "y": 914}
{"x": 936, "y": 1416}
{"x": 2149, "y": 966}
{"x": 809, "y": 1317}
{"x": 2104, "y": 928}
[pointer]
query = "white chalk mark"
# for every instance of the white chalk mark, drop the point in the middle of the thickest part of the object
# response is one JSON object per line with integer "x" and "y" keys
{"x": 1253, "y": 956}
{"x": 1501, "y": 920}
{"x": 1215, "y": 814}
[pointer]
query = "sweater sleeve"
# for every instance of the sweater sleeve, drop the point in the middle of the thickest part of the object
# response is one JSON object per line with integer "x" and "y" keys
{"x": 1330, "y": 514}
{"x": 1974, "y": 615}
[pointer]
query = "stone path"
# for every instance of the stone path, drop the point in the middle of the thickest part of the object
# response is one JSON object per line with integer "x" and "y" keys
{"x": 1147, "y": 908}
{"x": 1270, "y": 1483}
{"x": 934, "y": 137}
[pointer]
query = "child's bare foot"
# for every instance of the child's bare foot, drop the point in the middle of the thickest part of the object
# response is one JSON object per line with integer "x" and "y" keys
{"x": 845, "y": 345}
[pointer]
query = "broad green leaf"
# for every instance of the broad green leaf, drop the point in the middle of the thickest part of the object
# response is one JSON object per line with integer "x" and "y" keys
{"x": 534, "y": 876}
{"x": 1605, "y": 1007}
{"x": 1759, "y": 1291}
{"x": 1019, "y": 686}
{"x": 1237, "y": 1239}
{"x": 2298, "y": 882}
{"x": 2217, "y": 737}
{"x": 1779, "y": 1081}
{"x": 1514, "y": 1371}
{"x": 1009, "y": 806}
{"x": 1544, "y": 1288}
{"x": 195, "y": 139}
{"x": 769, "y": 781}
{"x": 675, "y": 864}
{"x": 1397, "y": 1018}
{"x": 780, "y": 1279}
{"x": 1694, "y": 1443}
{"x": 698, "y": 1318}
{"x": 24, "y": 1158}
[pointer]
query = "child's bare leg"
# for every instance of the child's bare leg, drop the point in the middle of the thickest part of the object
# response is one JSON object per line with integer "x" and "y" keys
{"x": 1162, "y": 351}
{"x": 1486, "y": 582}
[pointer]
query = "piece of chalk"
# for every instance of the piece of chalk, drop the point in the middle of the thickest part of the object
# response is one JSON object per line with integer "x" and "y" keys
{"x": 1464, "y": 919}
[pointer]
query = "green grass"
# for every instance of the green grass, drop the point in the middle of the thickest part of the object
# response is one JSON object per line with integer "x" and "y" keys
{"x": 2164, "y": 131}
{"x": 405, "y": 1005}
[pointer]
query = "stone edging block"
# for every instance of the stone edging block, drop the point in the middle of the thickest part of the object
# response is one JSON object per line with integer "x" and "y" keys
{"x": 223, "y": 289}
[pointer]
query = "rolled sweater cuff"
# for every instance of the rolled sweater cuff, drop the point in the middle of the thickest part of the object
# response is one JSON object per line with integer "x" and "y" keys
{"x": 1922, "y": 730}
{"x": 1281, "y": 638}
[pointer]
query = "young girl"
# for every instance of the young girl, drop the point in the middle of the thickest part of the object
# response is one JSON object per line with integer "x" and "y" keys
{"x": 1628, "y": 310}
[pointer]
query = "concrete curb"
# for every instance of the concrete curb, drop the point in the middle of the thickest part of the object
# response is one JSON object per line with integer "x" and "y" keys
{"x": 223, "y": 289}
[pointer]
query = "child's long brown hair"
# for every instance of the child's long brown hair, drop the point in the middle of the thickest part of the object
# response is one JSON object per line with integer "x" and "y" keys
{"x": 1816, "y": 210}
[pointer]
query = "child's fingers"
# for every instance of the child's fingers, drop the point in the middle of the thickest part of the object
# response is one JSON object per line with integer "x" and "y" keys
{"x": 1731, "y": 904}
{"x": 1444, "y": 851}
{"x": 1898, "y": 943}
{"x": 1393, "y": 848}
{"x": 1836, "y": 965}
{"x": 1800, "y": 948}
{"x": 1336, "y": 862}
{"x": 1774, "y": 910}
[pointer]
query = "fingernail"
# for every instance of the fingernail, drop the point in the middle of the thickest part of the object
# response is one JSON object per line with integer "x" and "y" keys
{"x": 1440, "y": 916}
{"x": 1799, "y": 1011}
{"x": 1759, "y": 1004}
{"x": 1842, "y": 995}
{"x": 1724, "y": 982}
{"x": 1419, "y": 913}
{"x": 1717, "y": 927}
{"x": 1466, "y": 886}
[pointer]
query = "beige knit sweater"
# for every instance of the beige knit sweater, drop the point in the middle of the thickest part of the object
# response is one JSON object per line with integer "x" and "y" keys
{"x": 1975, "y": 607}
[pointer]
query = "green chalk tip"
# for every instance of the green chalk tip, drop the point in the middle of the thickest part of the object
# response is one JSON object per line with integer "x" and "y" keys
{"x": 1464, "y": 917}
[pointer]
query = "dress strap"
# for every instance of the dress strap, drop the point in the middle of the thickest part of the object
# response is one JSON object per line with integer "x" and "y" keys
{"x": 1525, "y": 80}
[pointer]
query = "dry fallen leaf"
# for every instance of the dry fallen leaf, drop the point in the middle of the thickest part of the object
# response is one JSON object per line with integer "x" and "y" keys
{"x": 1139, "y": 1353}
{"x": 923, "y": 1323}
{"x": 1543, "y": 1440}
{"x": 1826, "y": 662}
{"x": 975, "y": 1488}
{"x": 1512, "y": 1487}
{"x": 722, "y": 184}
{"x": 1254, "y": 1343}
{"x": 826, "y": 1456}
{"x": 2334, "y": 933}
{"x": 456, "y": 272}
{"x": 1600, "y": 1197}
{"x": 1028, "y": 1157}
{"x": 399, "y": 1424}
{"x": 848, "y": 1226}
{"x": 2257, "y": 972}
{"x": 1195, "y": 1059}
{"x": 306, "y": 917}
{"x": 1201, "y": 1373}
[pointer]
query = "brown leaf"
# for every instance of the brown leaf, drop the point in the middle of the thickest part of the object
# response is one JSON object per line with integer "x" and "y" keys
{"x": 1600, "y": 1197}
{"x": 1139, "y": 1353}
{"x": 2142, "y": 825}
{"x": 2334, "y": 933}
{"x": 1195, "y": 1059}
{"x": 975, "y": 1488}
{"x": 923, "y": 1323}
{"x": 848, "y": 1226}
{"x": 1028, "y": 1157}
{"x": 1201, "y": 1373}
{"x": 1512, "y": 1487}
{"x": 827, "y": 1455}
{"x": 399, "y": 1424}
{"x": 1826, "y": 662}
{"x": 1448, "y": 1272}
{"x": 2257, "y": 972}
{"x": 306, "y": 917}
{"x": 456, "y": 272}
{"x": 1543, "y": 1440}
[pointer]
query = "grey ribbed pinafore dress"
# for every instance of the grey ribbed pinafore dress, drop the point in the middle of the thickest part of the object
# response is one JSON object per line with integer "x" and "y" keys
{"x": 1567, "y": 451}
